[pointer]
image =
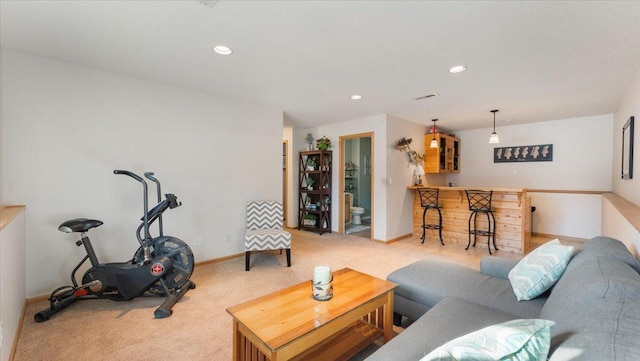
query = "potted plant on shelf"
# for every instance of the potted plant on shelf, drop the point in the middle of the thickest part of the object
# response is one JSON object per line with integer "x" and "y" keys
{"x": 309, "y": 220}
{"x": 323, "y": 143}
{"x": 311, "y": 163}
{"x": 325, "y": 203}
{"x": 309, "y": 140}
{"x": 310, "y": 182}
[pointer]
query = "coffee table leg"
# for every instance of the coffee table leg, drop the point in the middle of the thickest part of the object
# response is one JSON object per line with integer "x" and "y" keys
{"x": 388, "y": 317}
{"x": 236, "y": 341}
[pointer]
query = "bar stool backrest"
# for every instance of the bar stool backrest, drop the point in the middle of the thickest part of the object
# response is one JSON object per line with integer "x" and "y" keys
{"x": 428, "y": 197}
{"x": 479, "y": 200}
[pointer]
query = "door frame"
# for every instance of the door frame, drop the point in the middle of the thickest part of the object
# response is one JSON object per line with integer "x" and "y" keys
{"x": 341, "y": 206}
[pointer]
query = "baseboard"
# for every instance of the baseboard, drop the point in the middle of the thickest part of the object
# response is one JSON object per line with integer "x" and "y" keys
{"x": 216, "y": 260}
{"x": 14, "y": 345}
{"x": 408, "y": 235}
{"x": 577, "y": 239}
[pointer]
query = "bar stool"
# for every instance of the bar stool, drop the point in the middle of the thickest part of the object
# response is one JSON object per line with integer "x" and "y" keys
{"x": 480, "y": 202}
{"x": 429, "y": 200}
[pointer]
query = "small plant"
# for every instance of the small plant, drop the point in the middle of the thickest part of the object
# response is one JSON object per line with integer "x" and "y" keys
{"x": 311, "y": 163}
{"x": 310, "y": 182}
{"x": 325, "y": 203}
{"x": 323, "y": 143}
{"x": 309, "y": 219}
{"x": 309, "y": 140}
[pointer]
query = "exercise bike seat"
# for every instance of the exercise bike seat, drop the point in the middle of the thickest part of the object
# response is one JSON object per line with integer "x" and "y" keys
{"x": 79, "y": 225}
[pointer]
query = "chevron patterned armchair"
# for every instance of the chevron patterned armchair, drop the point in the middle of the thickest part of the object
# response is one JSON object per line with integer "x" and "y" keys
{"x": 264, "y": 230}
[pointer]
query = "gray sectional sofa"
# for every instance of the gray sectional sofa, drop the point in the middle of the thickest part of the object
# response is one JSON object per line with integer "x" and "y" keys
{"x": 595, "y": 304}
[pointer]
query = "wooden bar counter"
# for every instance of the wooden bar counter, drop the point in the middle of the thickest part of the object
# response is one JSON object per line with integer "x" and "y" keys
{"x": 512, "y": 212}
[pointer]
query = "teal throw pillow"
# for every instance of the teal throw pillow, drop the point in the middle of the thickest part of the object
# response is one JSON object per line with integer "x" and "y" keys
{"x": 522, "y": 340}
{"x": 539, "y": 270}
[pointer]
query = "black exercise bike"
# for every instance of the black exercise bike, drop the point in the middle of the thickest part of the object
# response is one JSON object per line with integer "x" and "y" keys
{"x": 161, "y": 266}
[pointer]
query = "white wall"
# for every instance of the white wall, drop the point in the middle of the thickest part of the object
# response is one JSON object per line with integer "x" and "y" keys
{"x": 630, "y": 106}
{"x": 613, "y": 225}
{"x": 582, "y": 153}
{"x": 12, "y": 278}
{"x": 399, "y": 198}
{"x": 66, "y": 128}
{"x": 616, "y": 226}
{"x": 1, "y": 126}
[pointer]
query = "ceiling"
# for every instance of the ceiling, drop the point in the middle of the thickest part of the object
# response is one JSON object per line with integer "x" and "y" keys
{"x": 533, "y": 60}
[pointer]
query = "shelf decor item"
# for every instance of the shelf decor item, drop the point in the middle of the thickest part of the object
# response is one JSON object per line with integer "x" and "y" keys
{"x": 309, "y": 220}
{"x": 323, "y": 143}
{"x": 311, "y": 163}
{"x": 309, "y": 140}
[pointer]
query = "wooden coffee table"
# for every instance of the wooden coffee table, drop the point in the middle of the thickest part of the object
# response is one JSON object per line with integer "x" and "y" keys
{"x": 291, "y": 325}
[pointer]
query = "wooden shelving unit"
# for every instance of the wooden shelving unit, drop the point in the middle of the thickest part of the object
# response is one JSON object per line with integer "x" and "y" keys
{"x": 445, "y": 158}
{"x": 314, "y": 200}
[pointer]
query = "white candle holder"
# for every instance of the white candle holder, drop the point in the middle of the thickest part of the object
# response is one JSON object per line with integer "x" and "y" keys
{"x": 322, "y": 291}
{"x": 322, "y": 283}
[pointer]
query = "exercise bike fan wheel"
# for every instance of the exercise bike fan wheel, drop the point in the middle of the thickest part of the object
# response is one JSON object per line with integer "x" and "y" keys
{"x": 181, "y": 256}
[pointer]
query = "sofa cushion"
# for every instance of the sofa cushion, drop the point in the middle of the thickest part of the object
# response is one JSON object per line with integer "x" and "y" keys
{"x": 539, "y": 270}
{"x": 607, "y": 330}
{"x": 497, "y": 266}
{"x": 606, "y": 246}
{"x": 589, "y": 278}
{"x": 430, "y": 280}
{"x": 449, "y": 319}
{"x": 522, "y": 339}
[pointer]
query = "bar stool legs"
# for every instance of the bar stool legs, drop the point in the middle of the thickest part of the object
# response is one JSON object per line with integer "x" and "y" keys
{"x": 489, "y": 233}
{"x": 480, "y": 202}
{"x": 429, "y": 200}
{"x": 432, "y": 226}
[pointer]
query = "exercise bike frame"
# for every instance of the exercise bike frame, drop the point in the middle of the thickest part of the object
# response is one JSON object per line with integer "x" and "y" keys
{"x": 145, "y": 272}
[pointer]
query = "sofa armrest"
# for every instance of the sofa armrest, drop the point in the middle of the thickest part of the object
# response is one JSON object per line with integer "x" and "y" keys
{"x": 497, "y": 267}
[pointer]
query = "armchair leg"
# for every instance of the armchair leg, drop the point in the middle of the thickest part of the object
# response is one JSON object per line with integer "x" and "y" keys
{"x": 247, "y": 257}
{"x": 288, "y": 257}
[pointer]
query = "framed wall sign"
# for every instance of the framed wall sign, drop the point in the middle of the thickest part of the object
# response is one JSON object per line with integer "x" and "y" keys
{"x": 523, "y": 153}
{"x": 627, "y": 149}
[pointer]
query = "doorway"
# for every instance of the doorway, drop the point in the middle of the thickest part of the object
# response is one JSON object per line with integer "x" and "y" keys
{"x": 356, "y": 187}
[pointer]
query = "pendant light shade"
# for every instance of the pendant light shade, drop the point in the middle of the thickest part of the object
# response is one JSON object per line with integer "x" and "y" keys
{"x": 494, "y": 136}
{"x": 434, "y": 142}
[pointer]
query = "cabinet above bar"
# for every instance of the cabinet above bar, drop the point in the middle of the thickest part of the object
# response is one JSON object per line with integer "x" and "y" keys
{"x": 512, "y": 213}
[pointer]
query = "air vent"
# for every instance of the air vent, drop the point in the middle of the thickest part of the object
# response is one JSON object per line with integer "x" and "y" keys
{"x": 426, "y": 96}
{"x": 208, "y": 3}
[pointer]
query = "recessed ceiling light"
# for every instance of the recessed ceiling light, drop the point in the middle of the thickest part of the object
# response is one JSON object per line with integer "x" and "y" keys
{"x": 457, "y": 69}
{"x": 356, "y": 97}
{"x": 222, "y": 50}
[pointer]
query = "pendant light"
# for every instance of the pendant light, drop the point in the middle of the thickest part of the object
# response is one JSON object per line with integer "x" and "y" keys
{"x": 434, "y": 142}
{"x": 494, "y": 136}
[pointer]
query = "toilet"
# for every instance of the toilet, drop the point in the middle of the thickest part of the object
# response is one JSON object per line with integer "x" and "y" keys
{"x": 356, "y": 212}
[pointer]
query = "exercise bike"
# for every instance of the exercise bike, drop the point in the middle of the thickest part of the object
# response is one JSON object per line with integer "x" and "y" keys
{"x": 161, "y": 266}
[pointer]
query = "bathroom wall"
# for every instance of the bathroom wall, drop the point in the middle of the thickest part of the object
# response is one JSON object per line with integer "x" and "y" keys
{"x": 355, "y": 151}
{"x": 364, "y": 177}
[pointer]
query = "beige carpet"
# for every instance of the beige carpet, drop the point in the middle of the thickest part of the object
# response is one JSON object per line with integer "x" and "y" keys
{"x": 200, "y": 328}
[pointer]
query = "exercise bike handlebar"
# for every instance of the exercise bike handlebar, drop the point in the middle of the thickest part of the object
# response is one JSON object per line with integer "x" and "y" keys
{"x": 130, "y": 174}
{"x": 147, "y": 236}
{"x": 149, "y": 175}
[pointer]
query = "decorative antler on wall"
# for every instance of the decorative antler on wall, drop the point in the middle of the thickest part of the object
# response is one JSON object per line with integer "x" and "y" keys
{"x": 404, "y": 145}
